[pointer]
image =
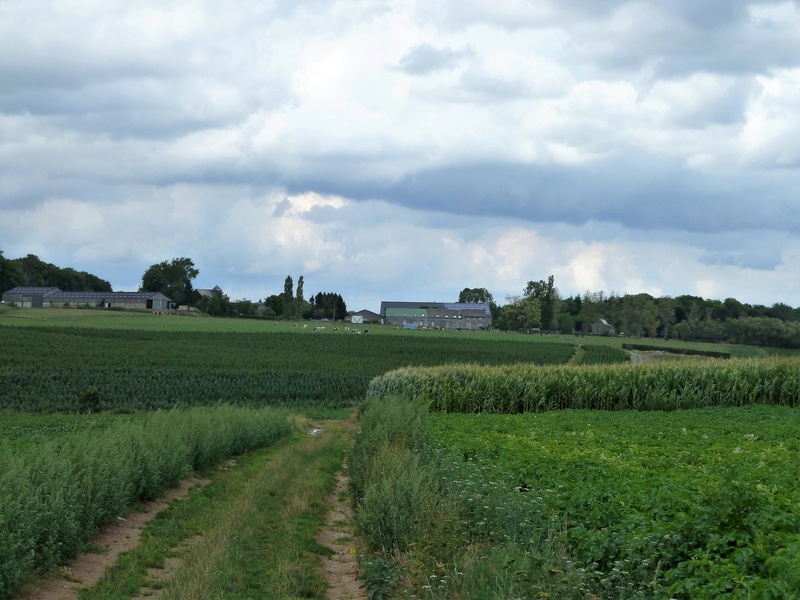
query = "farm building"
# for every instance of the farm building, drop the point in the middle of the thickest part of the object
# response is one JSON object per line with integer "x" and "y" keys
{"x": 52, "y": 297}
{"x": 209, "y": 293}
{"x": 436, "y": 315}
{"x": 363, "y": 316}
{"x": 602, "y": 327}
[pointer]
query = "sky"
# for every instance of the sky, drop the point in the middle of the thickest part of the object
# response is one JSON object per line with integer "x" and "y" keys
{"x": 402, "y": 150}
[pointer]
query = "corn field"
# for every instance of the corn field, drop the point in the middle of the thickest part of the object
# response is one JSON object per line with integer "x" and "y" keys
{"x": 513, "y": 389}
{"x": 45, "y": 369}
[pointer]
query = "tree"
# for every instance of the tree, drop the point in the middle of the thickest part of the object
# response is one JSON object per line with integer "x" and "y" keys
{"x": 274, "y": 303}
{"x": 592, "y": 305}
{"x": 475, "y": 296}
{"x": 216, "y": 305}
{"x": 329, "y": 305}
{"x": 520, "y": 314}
{"x": 298, "y": 300}
{"x": 665, "y": 313}
{"x": 288, "y": 297}
{"x": 173, "y": 279}
{"x": 548, "y": 297}
{"x": 11, "y": 274}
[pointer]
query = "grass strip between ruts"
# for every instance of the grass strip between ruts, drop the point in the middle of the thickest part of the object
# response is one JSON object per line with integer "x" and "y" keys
{"x": 253, "y": 528}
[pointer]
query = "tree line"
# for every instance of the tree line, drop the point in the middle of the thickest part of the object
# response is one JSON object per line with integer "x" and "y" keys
{"x": 31, "y": 271}
{"x": 685, "y": 317}
{"x": 293, "y": 305}
{"x": 175, "y": 279}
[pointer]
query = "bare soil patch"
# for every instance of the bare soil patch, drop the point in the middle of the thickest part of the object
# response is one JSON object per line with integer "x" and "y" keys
{"x": 124, "y": 534}
{"x": 338, "y": 534}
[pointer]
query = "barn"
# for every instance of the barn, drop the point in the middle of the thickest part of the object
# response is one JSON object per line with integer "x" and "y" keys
{"x": 436, "y": 315}
{"x": 52, "y": 297}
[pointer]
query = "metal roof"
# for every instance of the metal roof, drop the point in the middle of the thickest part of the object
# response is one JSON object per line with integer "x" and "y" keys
{"x": 446, "y": 305}
{"x": 32, "y": 290}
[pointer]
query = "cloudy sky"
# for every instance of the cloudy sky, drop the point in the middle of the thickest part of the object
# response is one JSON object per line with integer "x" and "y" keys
{"x": 402, "y": 150}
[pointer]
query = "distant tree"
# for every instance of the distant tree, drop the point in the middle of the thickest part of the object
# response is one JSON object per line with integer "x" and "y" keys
{"x": 95, "y": 284}
{"x": 781, "y": 311}
{"x": 547, "y": 294}
{"x": 288, "y": 297}
{"x": 243, "y": 307}
{"x": 37, "y": 273}
{"x": 35, "y": 270}
{"x": 216, "y": 305}
{"x": 593, "y": 305}
{"x": 665, "y": 313}
{"x": 11, "y": 274}
{"x": 520, "y": 313}
{"x": 329, "y": 305}
{"x": 275, "y": 304}
{"x": 475, "y": 296}
{"x": 173, "y": 279}
{"x": 298, "y": 300}
{"x": 89, "y": 400}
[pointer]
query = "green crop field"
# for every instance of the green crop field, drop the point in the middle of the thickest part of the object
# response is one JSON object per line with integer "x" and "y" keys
{"x": 698, "y": 503}
{"x": 43, "y": 368}
{"x": 579, "y": 504}
{"x": 689, "y": 504}
{"x": 535, "y": 388}
{"x": 62, "y": 477}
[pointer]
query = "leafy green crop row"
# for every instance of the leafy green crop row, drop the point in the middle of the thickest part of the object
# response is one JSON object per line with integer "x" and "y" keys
{"x": 687, "y": 504}
{"x": 601, "y": 355}
{"x": 528, "y": 388}
{"x": 54, "y": 494}
{"x": 577, "y": 504}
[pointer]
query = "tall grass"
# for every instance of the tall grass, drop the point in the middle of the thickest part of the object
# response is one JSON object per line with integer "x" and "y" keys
{"x": 419, "y": 535}
{"x": 528, "y": 388}
{"x": 54, "y": 496}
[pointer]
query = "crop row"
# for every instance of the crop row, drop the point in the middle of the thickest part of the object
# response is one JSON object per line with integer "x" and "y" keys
{"x": 528, "y": 388}
{"x": 57, "y": 390}
{"x": 592, "y": 354}
{"x": 56, "y": 493}
{"x": 689, "y": 504}
{"x": 280, "y": 351}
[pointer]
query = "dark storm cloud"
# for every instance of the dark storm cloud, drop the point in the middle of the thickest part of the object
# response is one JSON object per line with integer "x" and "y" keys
{"x": 637, "y": 194}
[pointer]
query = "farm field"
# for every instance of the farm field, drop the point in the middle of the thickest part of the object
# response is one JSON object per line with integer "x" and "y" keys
{"x": 695, "y": 503}
{"x": 45, "y": 368}
{"x": 64, "y": 476}
{"x": 712, "y": 493}
{"x": 579, "y": 504}
{"x": 520, "y": 388}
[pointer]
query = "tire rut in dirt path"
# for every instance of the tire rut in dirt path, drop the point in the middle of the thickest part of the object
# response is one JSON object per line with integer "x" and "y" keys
{"x": 339, "y": 534}
{"x": 124, "y": 534}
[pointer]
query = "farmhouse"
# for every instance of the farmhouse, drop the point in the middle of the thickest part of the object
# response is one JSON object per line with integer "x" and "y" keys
{"x": 602, "y": 327}
{"x": 436, "y": 315}
{"x": 51, "y": 297}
